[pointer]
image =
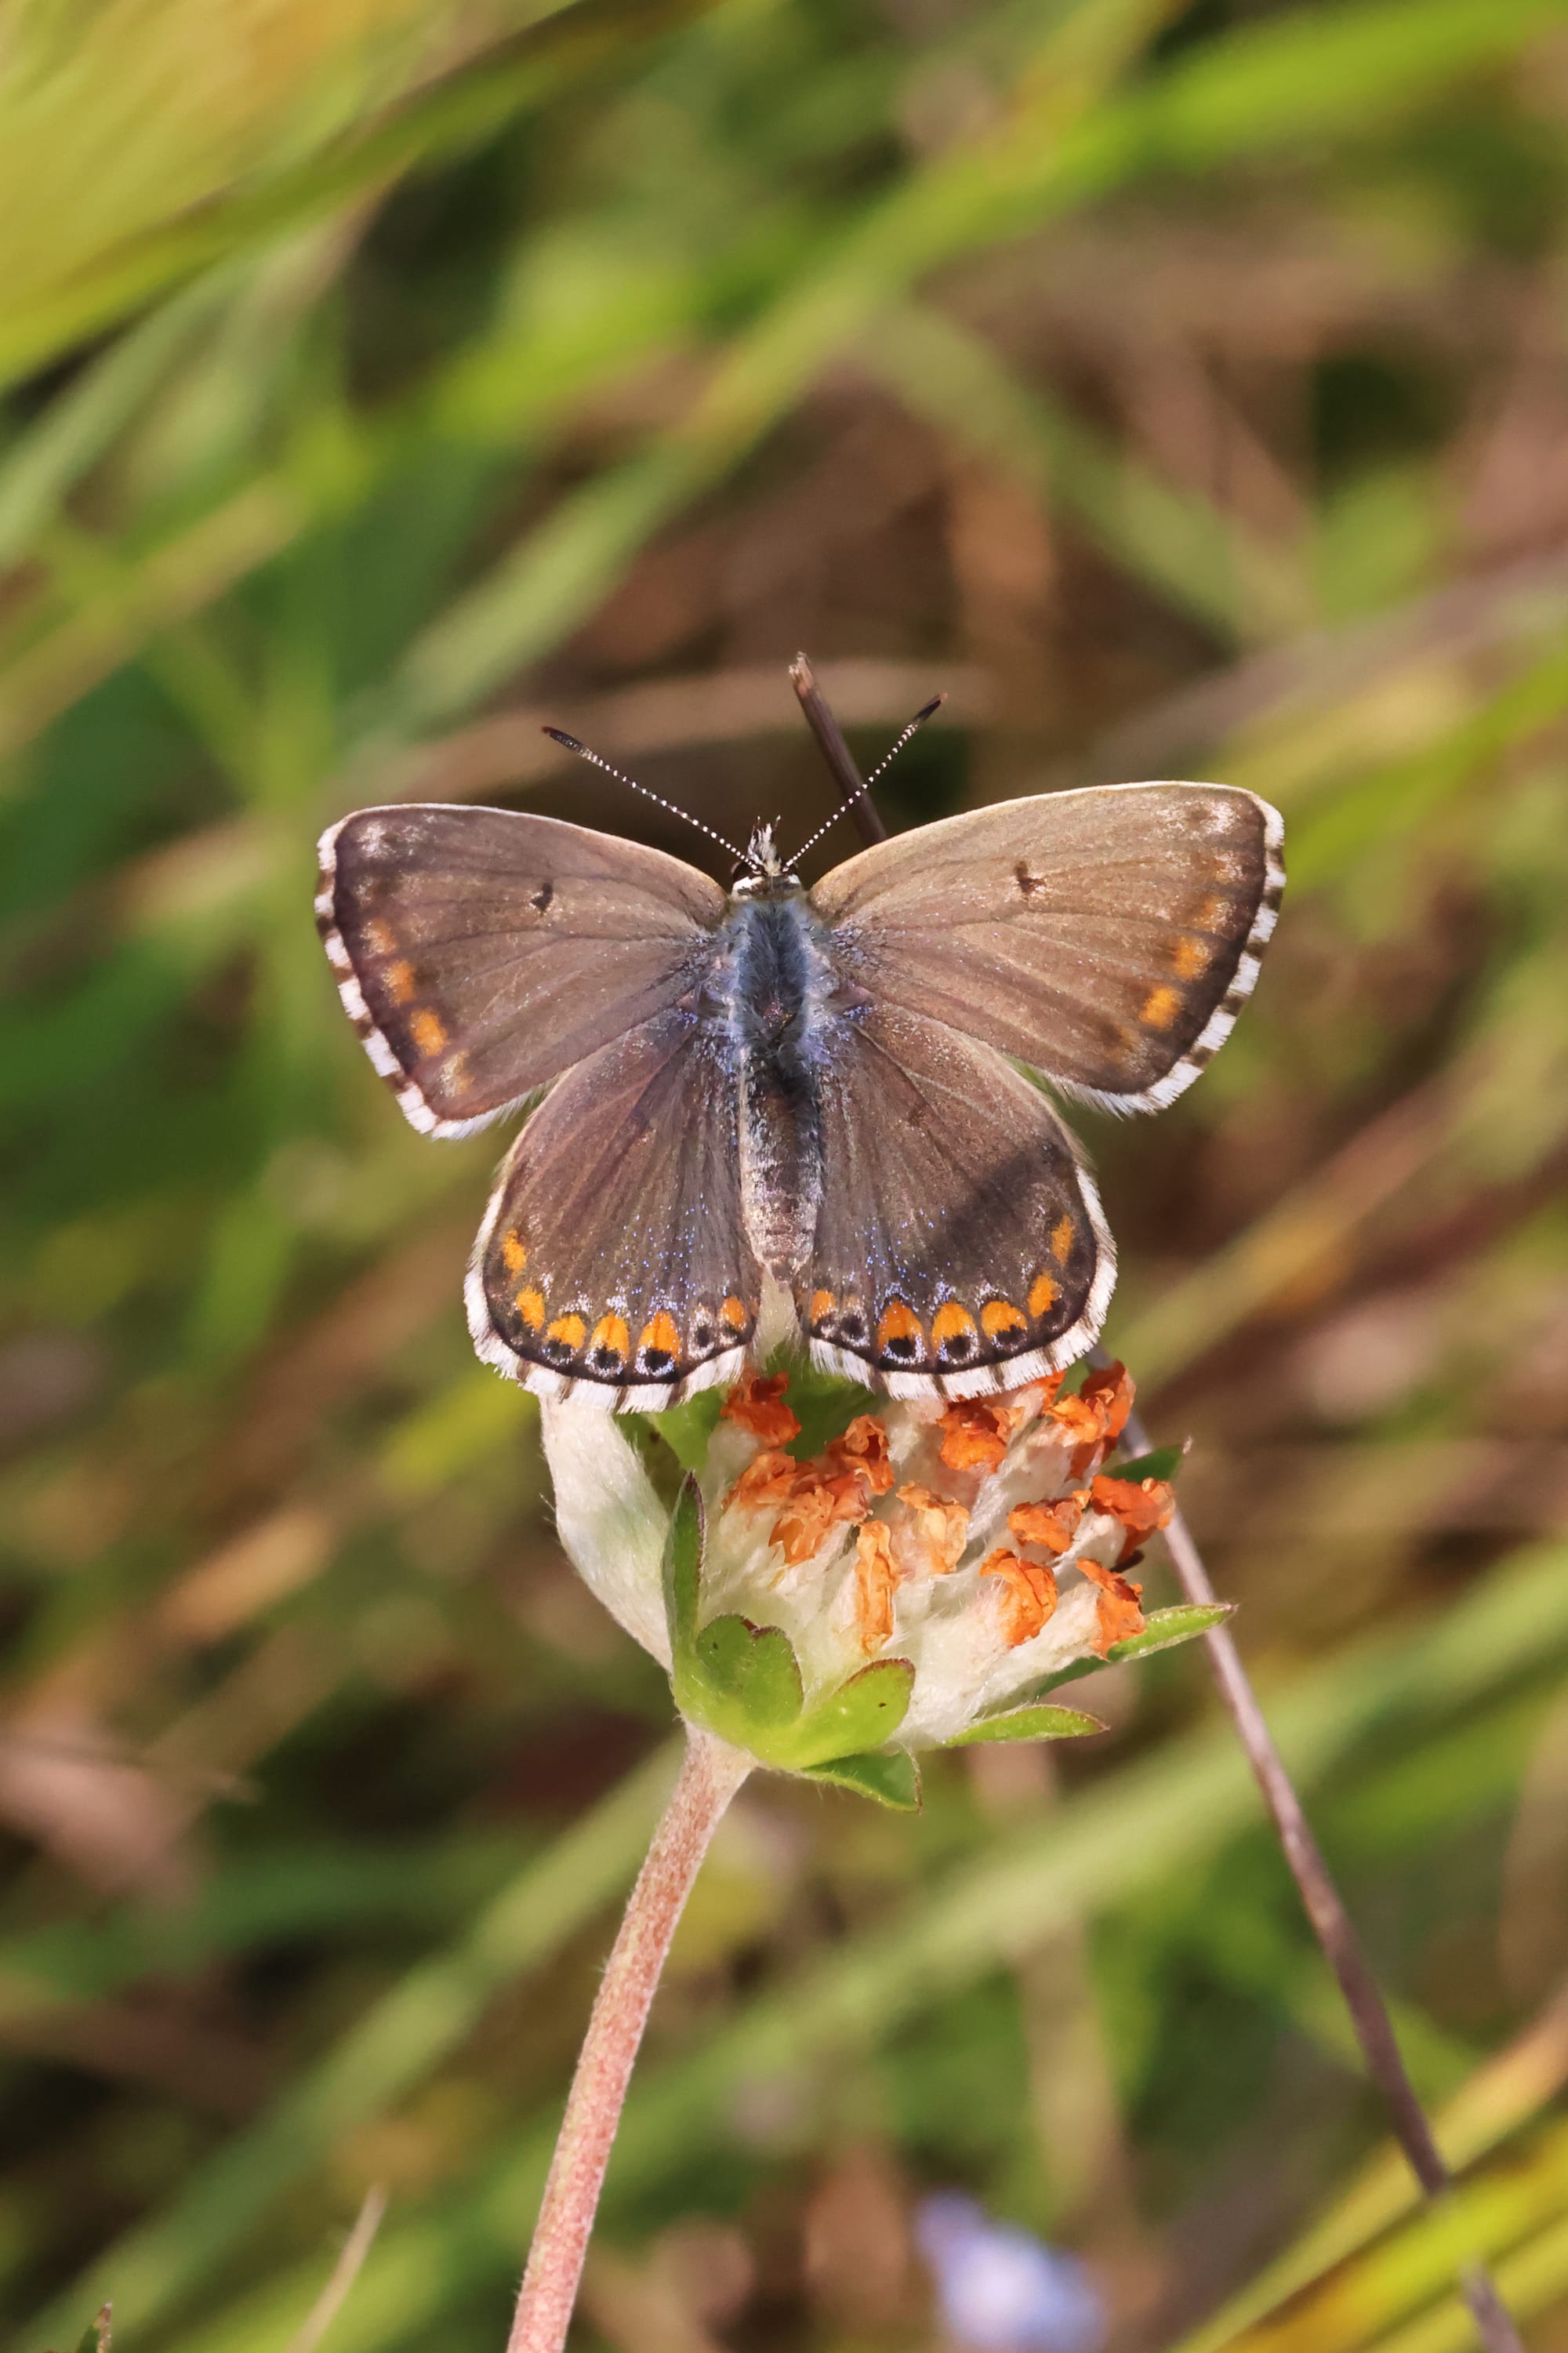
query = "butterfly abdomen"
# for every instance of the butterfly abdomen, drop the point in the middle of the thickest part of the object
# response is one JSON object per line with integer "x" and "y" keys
{"x": 777, "y": 982}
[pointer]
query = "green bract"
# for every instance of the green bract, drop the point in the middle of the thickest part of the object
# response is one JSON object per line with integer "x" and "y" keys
{"x": 742, "y": 1681}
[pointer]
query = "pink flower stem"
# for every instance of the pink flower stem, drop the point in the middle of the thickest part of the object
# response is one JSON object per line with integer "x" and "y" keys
{"x": 1332, "y": 1923}
{"x": 710, "y": 1777}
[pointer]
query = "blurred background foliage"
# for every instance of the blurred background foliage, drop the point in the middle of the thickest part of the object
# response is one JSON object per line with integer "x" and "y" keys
{"x": 1182, "y": 387}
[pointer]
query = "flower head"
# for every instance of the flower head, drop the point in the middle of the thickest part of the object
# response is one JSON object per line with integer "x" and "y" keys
{"x": 918, "y": 1581}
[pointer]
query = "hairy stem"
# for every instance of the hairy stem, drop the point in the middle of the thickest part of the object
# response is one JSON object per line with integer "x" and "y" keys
{"x": 710, "y": 1777}
{"x": 1331, "y": 1922}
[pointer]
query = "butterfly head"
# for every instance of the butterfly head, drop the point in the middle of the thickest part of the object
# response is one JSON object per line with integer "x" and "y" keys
{"x": 769, "y": 878}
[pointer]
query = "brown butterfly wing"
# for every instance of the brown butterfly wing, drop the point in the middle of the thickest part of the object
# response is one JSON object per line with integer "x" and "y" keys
{"x": 960, "y": 1246}
{"x": 1106, "y": 938}
{"x": 480, "y": 952}
{"x": 612, "y": 1264}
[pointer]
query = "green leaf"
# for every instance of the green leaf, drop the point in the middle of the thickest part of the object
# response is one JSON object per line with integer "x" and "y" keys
{"x": 893, "y": 1779}
{"x": 861, "y": 1714}
{"x": 1166, "y": 1628}
{"x": 1027, "y": 1723}
{"x": 749, "y": 1679}
{"x": 741, "y": 1681}
{"x": 683, "y": 1549}
{"x": 687, "y": 1428}
{"x": 96, "y": 2339}
{"x": 1163, "y": 1463}
{"x": 1163, "y": 1629}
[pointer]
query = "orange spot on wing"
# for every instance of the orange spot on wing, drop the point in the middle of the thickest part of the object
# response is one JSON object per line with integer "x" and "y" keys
{"x": 1061, "y": 1239}
{"x": 999, "y": 1319}
{"x": 429, "y": 1030}
{"x": 733, "y": 1311}
{"x": 1189, "y": 955}
{"x": 379, "y": 937}
{"x": 400, "y": 980}
{"x": 1211, "y": 915}
{"x": 513, "y": 1252}
{"x": 899, "y": 1321}
{"x": 1160, "y": 1007}
{"x": 950, "y": 1322}
{"x": 531, "y": 1307}
{"x": 612, "y": 1334}
{"x": 822, "y": 1303}
{"x": 570, "y": 1330}
{"x": 1043, "y": 1295}
{"x": 660, "y": 1336}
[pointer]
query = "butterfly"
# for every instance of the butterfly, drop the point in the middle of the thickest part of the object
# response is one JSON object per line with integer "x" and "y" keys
{"x": 822, "y": 1099}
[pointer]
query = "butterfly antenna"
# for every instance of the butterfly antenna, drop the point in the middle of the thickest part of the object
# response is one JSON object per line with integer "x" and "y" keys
{"x": 570, "y": 744}
{"x": 927, "y": 711}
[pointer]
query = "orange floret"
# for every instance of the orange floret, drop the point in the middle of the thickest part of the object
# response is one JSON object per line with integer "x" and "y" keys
{"x": 1116, "y": 1606}
{"x": 1096, "y": 1415}
{"x": 756, "y": 1404}
{"x": 1029, "y": 1597}
{"x": 816, "y": 1505}
{"x": 1111, "y": 1388}
{"x": 1052, "y": 1527}
{"x": 1078, "y": 1418}
{"x": 976, "y": 1431}
{"x": 936, "y": 1530}
{"x": 814, "y": 1502}
{"x": 875, "y": 1579}
{"x": 801, "y": 1529}
{"x": 768, "y": 1478}
{"x": 863, "y": 1448}
{"x": 1142, "y": 1505}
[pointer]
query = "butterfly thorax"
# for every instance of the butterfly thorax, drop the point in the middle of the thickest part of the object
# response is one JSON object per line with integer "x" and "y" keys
{"x": 769, "y": 992}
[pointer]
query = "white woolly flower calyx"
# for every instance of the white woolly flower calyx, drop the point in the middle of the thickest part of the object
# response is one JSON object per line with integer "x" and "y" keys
{"x": 924, "y": 1581}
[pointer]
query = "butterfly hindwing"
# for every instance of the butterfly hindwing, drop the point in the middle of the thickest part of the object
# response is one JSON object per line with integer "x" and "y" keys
{"x": 480, "y": 952}
{"x": 612, "y": 1265}
{"x": 1106, "y": 937}
{"x": 960, "y": 1246}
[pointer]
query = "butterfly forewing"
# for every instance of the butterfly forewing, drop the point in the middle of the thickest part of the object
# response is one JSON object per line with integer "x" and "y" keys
{"x": 1106, "y": 937}
{"x": 611, "y": 1263}
{"x": 481, "y": 952}
{"x": 959, "y": 1247}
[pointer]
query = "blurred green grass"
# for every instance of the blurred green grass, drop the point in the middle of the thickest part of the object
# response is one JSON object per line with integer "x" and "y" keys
{"x": 1183, "y": 387}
